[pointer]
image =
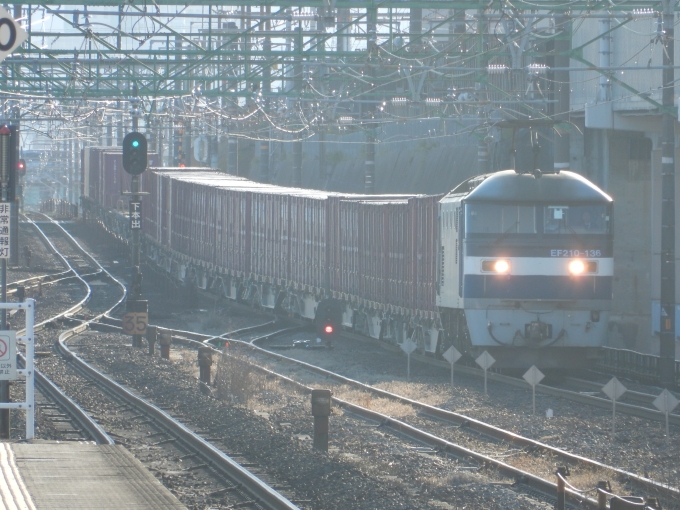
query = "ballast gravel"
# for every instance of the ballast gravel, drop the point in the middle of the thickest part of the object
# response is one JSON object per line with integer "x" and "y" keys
{"x": 365, "y": 468}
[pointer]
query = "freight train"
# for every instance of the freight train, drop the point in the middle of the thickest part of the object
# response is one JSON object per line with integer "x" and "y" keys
{"x": 517, "y": 265}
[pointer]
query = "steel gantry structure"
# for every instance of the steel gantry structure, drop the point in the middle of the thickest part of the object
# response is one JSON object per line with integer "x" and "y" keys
{"x": 295, "y": 67}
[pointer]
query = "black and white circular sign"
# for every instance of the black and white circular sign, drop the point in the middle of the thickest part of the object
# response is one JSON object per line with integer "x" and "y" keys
{"x": 11, "y": 34}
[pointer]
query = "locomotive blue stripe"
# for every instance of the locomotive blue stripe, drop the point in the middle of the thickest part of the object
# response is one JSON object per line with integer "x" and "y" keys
{"x": 559, "y": 249}
{"x": 537, "y": 287}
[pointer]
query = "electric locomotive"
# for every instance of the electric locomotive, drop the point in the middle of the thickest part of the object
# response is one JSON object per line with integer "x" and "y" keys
{"x": 525, "y": 268}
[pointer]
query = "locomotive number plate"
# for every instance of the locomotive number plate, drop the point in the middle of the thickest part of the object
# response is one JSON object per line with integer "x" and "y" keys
{"x": 575, "y": 253}
{"x": 134, "y": 323}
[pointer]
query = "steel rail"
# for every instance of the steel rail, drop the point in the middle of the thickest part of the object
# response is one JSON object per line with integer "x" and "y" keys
{"x": 580, "y": 398}
{"x": 532, "y": 481}
{"x": 484, "y": 428}
{"x": 47, "y": 387}
{"x": 82, "y": 418}
{"x": 638, "y": 397}
{"x": 257, "y": 489}
{"x": 519, "y": 476}
{"x": 473, "y": 424}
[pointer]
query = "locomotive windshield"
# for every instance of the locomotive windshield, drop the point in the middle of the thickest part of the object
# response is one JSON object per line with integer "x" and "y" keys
{"x": 500, "y": 219}
{"x": 488, "y": 218}
{"x": 576, "y": 219}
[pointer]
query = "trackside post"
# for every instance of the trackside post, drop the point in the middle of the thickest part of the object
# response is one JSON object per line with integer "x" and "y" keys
{"x": 561, "y": 473}
{"x": 205, "y": 361}
{"x": 321, "y": 410}
{"x": 166, "y": 341}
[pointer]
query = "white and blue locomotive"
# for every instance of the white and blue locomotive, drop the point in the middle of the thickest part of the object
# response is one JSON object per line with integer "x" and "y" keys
{"x": 526, "y": 268}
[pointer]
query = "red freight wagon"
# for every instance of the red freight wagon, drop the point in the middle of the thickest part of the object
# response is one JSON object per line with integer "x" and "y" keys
{"x": 424, "y": 235}
{"x": 398, "y": 255}
{"x": 92, "y": 171}
{"x": 114, "y": 180}
{"x": 308, "y": 239}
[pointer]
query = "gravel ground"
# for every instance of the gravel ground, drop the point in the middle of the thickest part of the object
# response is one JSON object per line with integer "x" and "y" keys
{"x": 640, "y": 446}
{"x": 187, "y": 476}
{"x": 365, "y": 467}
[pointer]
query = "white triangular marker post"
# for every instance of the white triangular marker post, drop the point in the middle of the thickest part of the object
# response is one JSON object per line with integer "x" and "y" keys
{"x": 452, "y": 355}
{"x": 485, "y": 360}
{"x": 533, "y": 376}
{"x": 614, "y": 389}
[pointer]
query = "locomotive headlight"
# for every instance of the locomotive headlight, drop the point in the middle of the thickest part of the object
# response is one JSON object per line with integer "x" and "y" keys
{"x": 496, "y": 266}
{"x": 577, "y": 267}
{"x": 501, "y": 266}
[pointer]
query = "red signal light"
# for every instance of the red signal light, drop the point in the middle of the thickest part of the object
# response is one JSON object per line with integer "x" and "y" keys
{"x": 328, "y": 329}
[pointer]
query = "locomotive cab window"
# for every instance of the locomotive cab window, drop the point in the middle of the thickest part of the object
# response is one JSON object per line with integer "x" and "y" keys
{"x": 500, "y": 219}
{"x": 576, "y": 219}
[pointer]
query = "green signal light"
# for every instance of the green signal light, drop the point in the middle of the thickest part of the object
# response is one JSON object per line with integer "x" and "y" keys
{"x": 135, "y": 143}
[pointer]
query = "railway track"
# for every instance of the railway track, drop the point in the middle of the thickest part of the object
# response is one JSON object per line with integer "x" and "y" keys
{"x": 504, "y": 438}
{"x": 239, "y": 487}
{"x": 533, "y": 483}
{"x": 495, "y": 438}
{"x": 584, "y": 392}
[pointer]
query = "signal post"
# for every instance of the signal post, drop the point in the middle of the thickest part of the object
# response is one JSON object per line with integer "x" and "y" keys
{"x": 136, "y": 315}
{"x": 9, "y": 237}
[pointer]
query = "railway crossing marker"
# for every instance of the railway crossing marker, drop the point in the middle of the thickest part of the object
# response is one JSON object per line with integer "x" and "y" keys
{"x": 665, "y": 403}
{"x": 452, "y": 355}
{"x": 485, "y": 360}
{"x": 408, "y": 346}
{"x": 614, "y": 389}
{"x": 533, "y": 376}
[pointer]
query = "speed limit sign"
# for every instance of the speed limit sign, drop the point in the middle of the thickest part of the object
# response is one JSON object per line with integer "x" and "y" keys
{"x": 136, "y": 317}
{"x": 11, "y": 34}
{"x": 134, "y": 323}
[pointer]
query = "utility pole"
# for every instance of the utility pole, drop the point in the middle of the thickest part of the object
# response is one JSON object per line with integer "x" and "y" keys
{"x": 298, "y": 85}
{"x": 8, "y": 182}
{"x": 562, "y": 93}
{"x": 667, "y": 318}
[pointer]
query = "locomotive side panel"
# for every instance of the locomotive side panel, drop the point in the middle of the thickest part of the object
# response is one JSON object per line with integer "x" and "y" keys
{"x": 449, "y": 260}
